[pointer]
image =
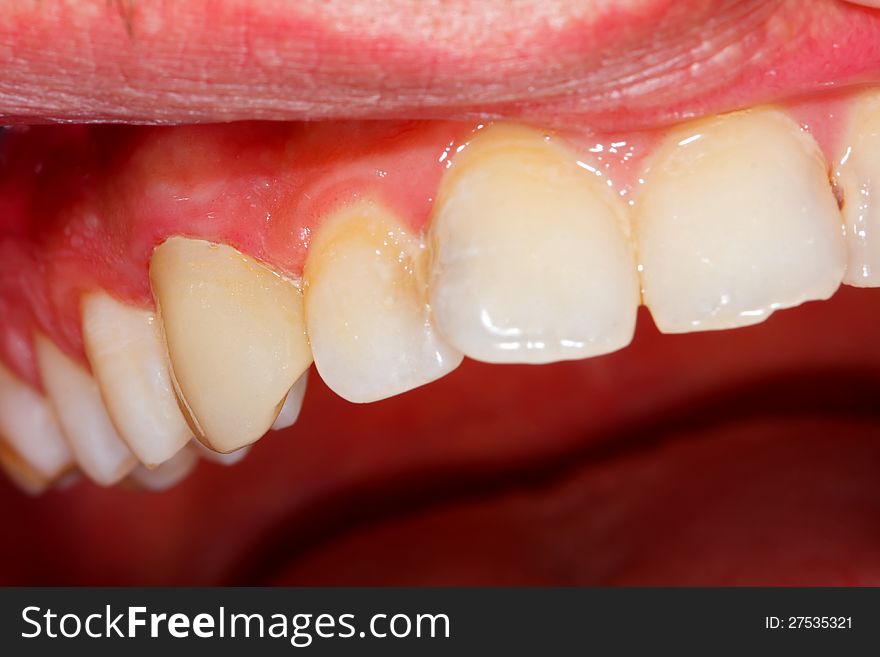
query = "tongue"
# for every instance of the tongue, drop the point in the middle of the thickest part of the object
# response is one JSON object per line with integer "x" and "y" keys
{"x": 613, "y": 65}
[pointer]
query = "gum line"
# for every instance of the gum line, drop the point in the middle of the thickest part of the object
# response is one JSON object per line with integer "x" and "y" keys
{"x": 83, "y": 207}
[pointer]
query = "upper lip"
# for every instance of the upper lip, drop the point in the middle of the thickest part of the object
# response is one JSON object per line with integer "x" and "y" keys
{"x": 607, "y": 65}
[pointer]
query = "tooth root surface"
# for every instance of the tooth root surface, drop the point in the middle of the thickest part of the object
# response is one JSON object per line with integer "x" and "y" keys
{"x": 77, "y": 401}
{"x": 532, "y": 260}
{"x": 366, "y": 307}
{"x": 235, "y": 335}
{"x": 168, "y": 474}
{"x": 30, "y": 429}
{"x": 292, "y": 404}
{"x": 735, "y": 220}
{"x": 125, "y": 350}
{"x": 859, "y": 180}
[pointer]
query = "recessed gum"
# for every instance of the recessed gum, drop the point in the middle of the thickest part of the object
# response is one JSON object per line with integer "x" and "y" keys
{"x": 84, "y": 207}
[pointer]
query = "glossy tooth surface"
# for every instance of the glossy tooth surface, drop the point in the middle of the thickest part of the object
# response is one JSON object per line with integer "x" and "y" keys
{"x": 125, "y": 350}
{"x": 168, "y": 474}
{"x": 366, "y": 307}
{"x": 292, "y": 404}
{"x": 736, "y": 219}
{"x": 30, "y": 428}
{"x": 532, "y": 260}
{"x": 74, "y": 395}
{"x": 235, "y": 336}
{"x": 858, "y": 176}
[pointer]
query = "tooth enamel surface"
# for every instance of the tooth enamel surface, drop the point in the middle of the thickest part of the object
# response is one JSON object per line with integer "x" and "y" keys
{"x": 125, "y": 349}
{"x": 230, "y": 458}
{"x": 169, "y": 473}
{"x": 532, "y": 261}
{"x": 366, "y": 307}
{"x": 75, "y": 397}
{"x": 859, "y": 180}
{"x": 30, "y": 428}
{"x": 736, "y": 219}
{"x": 235, "y": 335}
{"x": 17, "y": 469}
{"x": 292, "y": 404}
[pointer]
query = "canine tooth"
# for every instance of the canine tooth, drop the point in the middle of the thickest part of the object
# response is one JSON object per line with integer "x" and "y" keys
{"x": 736, "y": 219}
{"x": 230, "y": 458}
{"x": 29, "y": 425}
{"x": 74, "y": 394}
{"x": 859, "y": 179}
{"x": 366, "y": 307}
{"x": 168, "y": 474}
{"x": 532, "y": 260}
{"x": 235, "y": 335}
{"x": 125, "y": 350}
{"x": 292, "y": 404}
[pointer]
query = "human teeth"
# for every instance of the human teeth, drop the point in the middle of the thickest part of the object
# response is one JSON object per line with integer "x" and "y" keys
{"x": 230, "y": 458}
{"x": 74, "y": 394}
{"x": 125, "y": 350}
{"x": 532, "y": 261}
{"x": 20, "y": 472}
{"x": 366, "y": 307}
{"x": 235, "y": 335}
{"x": 292, "y": 404}
{"x": 736, "y": 219}
{"x": 30, "y": 429}
{"x": 169, "y": 473}
{"x": 859, "y": 179}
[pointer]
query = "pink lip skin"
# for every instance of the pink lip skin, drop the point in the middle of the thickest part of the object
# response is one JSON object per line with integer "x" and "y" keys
{"x": 621, "y": 64}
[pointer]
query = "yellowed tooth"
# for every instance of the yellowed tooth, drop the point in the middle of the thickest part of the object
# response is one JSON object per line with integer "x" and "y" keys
{"x": 235, "y": 335}
{"x": 736, "y": 219}
{"x": 125, "y": 349}
{"x": 366, "y": 307}
{"x": 532, "y": 261}
{"x": 168, "y": 474}
{"x": 77, "y": 402}
{"x": 29, "y": 424}
{"x": 292, "y": 404}
{"x": 858, "y": 177}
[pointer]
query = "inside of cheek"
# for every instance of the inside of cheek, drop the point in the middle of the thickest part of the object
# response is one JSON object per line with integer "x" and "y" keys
{"x": 732, "y": 445}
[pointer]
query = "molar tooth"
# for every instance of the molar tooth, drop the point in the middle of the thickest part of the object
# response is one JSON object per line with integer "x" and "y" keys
{"x": 532, "y": 261}
{"x": 735, "y": 220}
{"x": 235, "y": 336}
{"x": 30, "y": 426}
{"x": 859, "y": 179}
{"x": 168, "y": 474}
{"x": 125, "y": 350}
{"x": 292, "y": 404}
{"x": 366, "y": 307}
{"x": 77, "y": 401}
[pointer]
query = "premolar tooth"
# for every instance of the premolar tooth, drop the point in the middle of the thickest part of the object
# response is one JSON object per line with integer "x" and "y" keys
{"x": 168, "y": 474}
{"x": 77, "y": 401}
{"x": 532, "y": 261}
{"x": 292, "y": 404}
{"x": 366, "y": 307}
{"x": 735, "y": 220}
{"x": 235, "y": 335}
{"x": 125, "y": 350}
{"x": 859, "y": 179}
{"x": 20, "y": 472}
{"x": 30, "y": 426}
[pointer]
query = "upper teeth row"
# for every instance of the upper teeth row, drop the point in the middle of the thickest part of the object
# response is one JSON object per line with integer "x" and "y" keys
{"x": 529, "y": 257}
